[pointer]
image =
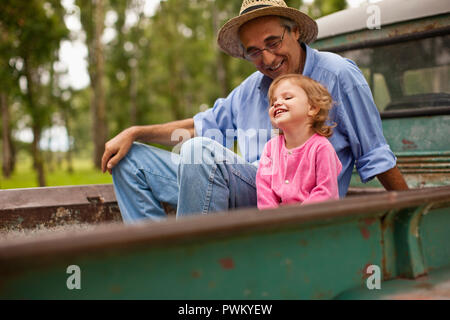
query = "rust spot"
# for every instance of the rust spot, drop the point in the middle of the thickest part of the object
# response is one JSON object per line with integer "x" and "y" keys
{"x": 323, "y": 295}
{"x": 96, "y": 200}
{"x": 364, "y": 272}
{"x": 407, "y": 144}
{"x": 386, "y": 273}
{"x": 412, "y": 296}
{"x": 370, "y": 221}
{"x": 431, "y": 26}
{"x": 365, "y": 232}
{"x": 424, "y": 285}
{"x": 319, "y": 295}
{"x": 423, "y": 277}
{"x": 116, "y": 289}
{"x": 227, "y": 263}
{"x": 303, "y": 243}
{"x": 386, "y": 223}
{"x": 196, "y": 274}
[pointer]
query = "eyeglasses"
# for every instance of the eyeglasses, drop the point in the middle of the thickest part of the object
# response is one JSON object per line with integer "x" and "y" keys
{"x": 272, "y": 46}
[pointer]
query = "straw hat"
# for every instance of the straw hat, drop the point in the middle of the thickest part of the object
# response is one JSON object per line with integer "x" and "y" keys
{"x": 228, "y": 38}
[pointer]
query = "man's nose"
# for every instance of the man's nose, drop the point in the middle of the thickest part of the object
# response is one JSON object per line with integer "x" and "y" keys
{"x": 267, "y": 58}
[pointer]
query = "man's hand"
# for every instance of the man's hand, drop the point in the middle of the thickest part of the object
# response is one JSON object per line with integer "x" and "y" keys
{"x": 117, "y": 148}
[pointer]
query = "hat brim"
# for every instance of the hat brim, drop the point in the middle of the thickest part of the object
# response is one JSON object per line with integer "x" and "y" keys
{"x": 228, "y": 37}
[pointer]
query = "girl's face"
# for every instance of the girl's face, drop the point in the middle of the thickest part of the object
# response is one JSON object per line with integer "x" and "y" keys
{"x": 290, "y": 107}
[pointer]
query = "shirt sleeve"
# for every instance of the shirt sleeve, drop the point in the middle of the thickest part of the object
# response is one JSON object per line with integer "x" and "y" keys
{"x": 214, "y": 122}
{"x": 362, "y": 122}
{"x": 266, "y": 198}
{"x": 328, "y": 167}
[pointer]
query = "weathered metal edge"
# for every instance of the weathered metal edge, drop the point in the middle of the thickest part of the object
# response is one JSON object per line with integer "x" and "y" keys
{"x": 418, "y": 112}
{"x": 398, "y": 32}
{"x": 13, "y": 199}
{"x": 219, "y": 224}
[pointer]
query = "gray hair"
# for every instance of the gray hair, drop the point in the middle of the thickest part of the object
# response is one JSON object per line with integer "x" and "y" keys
{"x": 288, "y": 23}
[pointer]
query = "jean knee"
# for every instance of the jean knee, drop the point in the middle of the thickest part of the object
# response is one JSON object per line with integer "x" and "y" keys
{"x": 198, "y": 150}
{"x": 129, "y": 161}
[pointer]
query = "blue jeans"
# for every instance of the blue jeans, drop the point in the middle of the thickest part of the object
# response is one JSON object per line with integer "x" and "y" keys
{"x": 205, "y": 177}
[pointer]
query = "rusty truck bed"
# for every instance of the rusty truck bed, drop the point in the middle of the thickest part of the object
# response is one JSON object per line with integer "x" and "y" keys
{"x": 318, "y": 251}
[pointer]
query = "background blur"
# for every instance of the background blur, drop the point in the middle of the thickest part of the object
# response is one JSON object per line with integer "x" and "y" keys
{"x": 74, "y": 73}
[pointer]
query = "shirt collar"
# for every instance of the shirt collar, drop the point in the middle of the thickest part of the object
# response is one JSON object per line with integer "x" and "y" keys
{"x": 307, "y": 69}
{"x": 309, "y": 61}
{"x": 265, "y": 84}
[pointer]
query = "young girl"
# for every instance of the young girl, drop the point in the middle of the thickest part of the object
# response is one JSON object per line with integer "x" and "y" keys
{"x": 300, "y": 164}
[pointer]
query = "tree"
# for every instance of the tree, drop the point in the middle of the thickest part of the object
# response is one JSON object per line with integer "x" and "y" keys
{"x": 7, "y": 85}
{"x": 7, "y": 148}
{"x": 36, "y": 27}
{"x": 93, "y": 20}
{"x": 321, "y": 8}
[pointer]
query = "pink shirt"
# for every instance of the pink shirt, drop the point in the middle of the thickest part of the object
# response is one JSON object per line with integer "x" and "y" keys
{"x": 304, "y": 174}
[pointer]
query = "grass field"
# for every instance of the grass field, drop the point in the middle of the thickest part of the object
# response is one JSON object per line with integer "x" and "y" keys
{"x": 84, "y": 173}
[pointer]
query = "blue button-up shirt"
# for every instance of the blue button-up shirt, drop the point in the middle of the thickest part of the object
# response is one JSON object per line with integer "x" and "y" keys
{"x": 358, "y": 137}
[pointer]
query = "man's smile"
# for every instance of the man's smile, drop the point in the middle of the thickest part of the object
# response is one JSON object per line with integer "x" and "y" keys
{"x": 276, "y": 67}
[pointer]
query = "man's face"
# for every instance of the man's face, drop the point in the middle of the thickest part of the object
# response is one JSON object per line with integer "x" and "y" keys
{"x": 261, "y": 33}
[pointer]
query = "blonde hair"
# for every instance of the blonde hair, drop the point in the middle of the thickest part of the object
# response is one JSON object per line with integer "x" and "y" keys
{"x": 318, "y": 96}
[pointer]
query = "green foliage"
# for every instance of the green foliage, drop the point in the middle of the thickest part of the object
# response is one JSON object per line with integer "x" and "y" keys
{"x": 294, "y": 3}
{"x": 34, "y": 27}
{"x": 33, "y": 31}
{"x": 171, "y": 59}
{"x": 158, "y": 69}
{"x": 320, "y": 8}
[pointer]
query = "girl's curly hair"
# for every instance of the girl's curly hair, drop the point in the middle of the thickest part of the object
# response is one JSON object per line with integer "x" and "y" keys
{"x": 317, "y": 95}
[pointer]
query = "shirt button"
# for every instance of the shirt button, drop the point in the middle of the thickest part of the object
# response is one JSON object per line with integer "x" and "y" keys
{"x": 290, "y": 152}
{"x": 286, "y": 181}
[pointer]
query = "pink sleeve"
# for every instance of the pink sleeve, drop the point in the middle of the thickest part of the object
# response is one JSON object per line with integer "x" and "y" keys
{"x": 265, "y": 196}
{"x": 328, "y": 168}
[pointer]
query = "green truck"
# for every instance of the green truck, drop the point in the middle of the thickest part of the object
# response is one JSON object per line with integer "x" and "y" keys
{"x": 371, "y": 245}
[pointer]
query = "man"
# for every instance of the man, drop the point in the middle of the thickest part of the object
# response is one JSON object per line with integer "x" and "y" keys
{"x": 207, "y": 177}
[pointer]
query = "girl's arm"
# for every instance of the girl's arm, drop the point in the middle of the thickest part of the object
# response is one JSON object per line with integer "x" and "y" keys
{"x": 265, "y": 196}
{"x": 328, "y": 168}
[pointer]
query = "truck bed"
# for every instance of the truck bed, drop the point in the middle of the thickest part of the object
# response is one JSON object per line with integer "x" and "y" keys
{"x": 317, "y": 251}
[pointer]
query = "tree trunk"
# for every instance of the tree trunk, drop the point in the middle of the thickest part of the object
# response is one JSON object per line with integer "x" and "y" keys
{"x": 37, "y": 155}
{"x": 69, "y": 150}
{"x": 36, "y": 127}
{"x": 220, "y": 63}
{"x": 133, "y": 92}
{"x": 175, "y": 68}
{"x": 7, "y": 153}
{"x": 48, "y": 155}
{"x": 99, "y": 126}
